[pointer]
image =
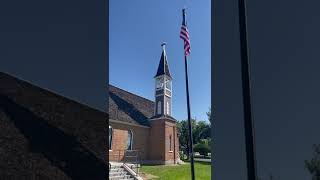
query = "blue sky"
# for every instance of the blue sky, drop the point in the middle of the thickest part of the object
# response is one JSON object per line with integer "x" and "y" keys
{"x": 136, "y": 31}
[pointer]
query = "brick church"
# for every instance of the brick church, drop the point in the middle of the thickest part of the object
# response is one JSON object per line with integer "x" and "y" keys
{"x": 143, "y": 126}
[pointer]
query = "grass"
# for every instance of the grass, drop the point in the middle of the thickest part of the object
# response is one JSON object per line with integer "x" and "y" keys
{"x": 181, "y": 172}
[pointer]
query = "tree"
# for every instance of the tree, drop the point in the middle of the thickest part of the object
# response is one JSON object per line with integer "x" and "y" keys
{"x": 313, "y": 165}
{"x": 183, "y": 133}
{"x": 202, "y": 148}
{"x": 200, "y": 130}
{"x": 209, "y": 115}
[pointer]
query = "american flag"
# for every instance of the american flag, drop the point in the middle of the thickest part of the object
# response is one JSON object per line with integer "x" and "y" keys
{"x": 184, "y": 34}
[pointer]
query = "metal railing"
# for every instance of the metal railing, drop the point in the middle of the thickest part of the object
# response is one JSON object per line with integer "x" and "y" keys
{"x": 132, "y": 156}
{"x": 126, "y": 157}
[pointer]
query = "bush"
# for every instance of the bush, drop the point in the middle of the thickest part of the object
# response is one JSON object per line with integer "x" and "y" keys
{"x": 202, "y": 148}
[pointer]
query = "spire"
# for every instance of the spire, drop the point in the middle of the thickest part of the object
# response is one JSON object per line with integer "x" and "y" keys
{"x": 163, "y": 67}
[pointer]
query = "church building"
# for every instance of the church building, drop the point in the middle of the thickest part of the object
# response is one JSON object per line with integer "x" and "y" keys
{"x": 144, "y": 127}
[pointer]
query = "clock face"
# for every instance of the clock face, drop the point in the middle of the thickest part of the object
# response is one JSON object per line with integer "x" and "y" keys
{"x": 168, "y": 84}
{"x": 159, "y": 84}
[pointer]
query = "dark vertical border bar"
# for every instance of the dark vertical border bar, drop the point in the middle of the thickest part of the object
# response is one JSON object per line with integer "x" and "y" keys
{"x": 213, "y": 78}
{"x": 107, "y": 81}
{"x": 245, "y": 68}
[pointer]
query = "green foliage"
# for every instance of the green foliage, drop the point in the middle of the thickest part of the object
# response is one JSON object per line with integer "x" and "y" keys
{"x": 202, "y": 148}
{"x": 183, "y": 133}
{"x": 201, "y": 130}
{"x": 313, "y": 165}
{"x": 209, "y": 115}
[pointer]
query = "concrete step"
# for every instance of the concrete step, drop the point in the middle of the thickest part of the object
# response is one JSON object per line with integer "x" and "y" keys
{"x": 113, "y": 174}
{"x": 120, "y": 177}
{"x": 116, "y": 166}
{"x": 116, "y": 170}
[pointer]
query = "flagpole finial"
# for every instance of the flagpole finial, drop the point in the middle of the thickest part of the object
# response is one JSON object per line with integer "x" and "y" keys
{"x": 163, "y": 44}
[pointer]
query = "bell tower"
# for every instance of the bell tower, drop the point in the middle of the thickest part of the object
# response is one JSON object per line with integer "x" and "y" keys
{"x": 163, "y": 139}
{"x": 163, "y": 86}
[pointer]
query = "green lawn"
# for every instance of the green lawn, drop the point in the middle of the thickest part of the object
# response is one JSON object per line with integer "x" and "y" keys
{"x": 180, "y": 172}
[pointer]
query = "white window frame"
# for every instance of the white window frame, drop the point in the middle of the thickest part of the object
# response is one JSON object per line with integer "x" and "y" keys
{"x": 131, "y": 140}
{"x": 110, "y": 140}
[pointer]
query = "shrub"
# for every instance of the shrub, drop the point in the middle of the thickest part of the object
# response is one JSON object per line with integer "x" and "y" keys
{"x": 202, "y": 148}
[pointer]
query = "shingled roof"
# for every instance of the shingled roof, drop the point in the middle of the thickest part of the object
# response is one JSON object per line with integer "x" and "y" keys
{"x": 163, "y": 68}
{"x": 128, "y": 107}
{"x": 44, "y": 135}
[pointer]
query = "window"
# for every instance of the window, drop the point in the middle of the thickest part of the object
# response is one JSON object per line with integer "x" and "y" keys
{"x": 110, "y": 137}
{"x": 129, "y": 141}
{"x": 168, "y": 108}
{"x": 168, "y": 84}
{"x": 159, "y": 107}
{"x": 170, "y": 143}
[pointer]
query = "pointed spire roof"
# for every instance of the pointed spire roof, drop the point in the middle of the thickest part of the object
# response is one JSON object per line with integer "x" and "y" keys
{"x": 163, "y": 67}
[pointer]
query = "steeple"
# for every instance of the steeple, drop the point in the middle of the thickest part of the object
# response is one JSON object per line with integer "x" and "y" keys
{"x": 163, "y": 86}
{"x": 163, "y": 68}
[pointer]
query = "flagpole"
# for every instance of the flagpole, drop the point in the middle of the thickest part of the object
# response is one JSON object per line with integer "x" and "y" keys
{"x": 189, "y": 119}
{"x": 246, "y": 93}
{"x": 188, "y": 107}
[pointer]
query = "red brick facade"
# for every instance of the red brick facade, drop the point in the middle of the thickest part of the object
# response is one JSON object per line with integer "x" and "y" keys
{"x": 153, "y": 143}
{"x": 120, "y": 137}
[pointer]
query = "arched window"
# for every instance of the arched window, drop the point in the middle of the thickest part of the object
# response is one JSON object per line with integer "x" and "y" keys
{"x": 168, "y": 108}
{"x": 159, "y": 107}
{"x": 110, "y": 137}
{"x": 170, "y": 143}
{"x": 129, "y": 141}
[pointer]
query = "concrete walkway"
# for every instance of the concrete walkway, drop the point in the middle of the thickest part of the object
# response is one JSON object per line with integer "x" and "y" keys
{"x": 202, "y": 160}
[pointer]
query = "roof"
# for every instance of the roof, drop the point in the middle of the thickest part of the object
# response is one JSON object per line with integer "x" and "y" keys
{"x": 42, "y": 130}
{"x": 128, "y": 107}
{"x": 163, "y": 68}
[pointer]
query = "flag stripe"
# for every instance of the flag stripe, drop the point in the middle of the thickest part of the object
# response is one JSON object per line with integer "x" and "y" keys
{"x": 184, "y": 34}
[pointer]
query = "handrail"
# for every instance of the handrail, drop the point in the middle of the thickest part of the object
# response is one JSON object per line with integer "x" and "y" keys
{"x": 136, "y": 161}
{"x": 128, "y": 156}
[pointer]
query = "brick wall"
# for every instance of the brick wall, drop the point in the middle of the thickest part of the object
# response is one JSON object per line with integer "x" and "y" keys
{"x": 171, "y": 130}
{"x": 156, "y": 141}
{"x": 159, "y": 141}
{"x": 120, "y": 137}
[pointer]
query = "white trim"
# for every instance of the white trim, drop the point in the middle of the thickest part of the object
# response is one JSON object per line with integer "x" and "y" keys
{"x": 127, "y": 123}
{"x": 164, "y": 99}
{"x": 162, "y": 118}
{"x": 171, "y": 100}
{"x": 170, "y": 143}
{"x": 131, "y": 140}
{"x": 110, "y": 143}
{"x": 130, "y": 171}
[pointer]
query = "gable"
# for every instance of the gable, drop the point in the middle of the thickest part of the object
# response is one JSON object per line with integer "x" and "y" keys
{"x": 127, "y": 107}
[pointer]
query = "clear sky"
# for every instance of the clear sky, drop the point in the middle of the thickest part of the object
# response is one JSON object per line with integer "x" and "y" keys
{"x": 136, "y": 31}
